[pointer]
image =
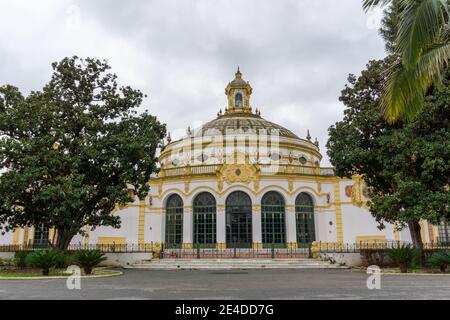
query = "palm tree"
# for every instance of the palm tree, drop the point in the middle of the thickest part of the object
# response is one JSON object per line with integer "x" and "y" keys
{"x": 423, "y": 51}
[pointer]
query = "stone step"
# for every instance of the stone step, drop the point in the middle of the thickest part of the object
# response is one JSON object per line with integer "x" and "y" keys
{"x": 229, "y": 267}
{"x": 171, "y": 264}
{"x": 245, "y": 261}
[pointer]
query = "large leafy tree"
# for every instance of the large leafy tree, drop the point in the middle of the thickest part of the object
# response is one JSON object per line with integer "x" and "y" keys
{"x": 406, "y": 165}
{"x": 422, "y": 50}
{"x": 70, "y": 152}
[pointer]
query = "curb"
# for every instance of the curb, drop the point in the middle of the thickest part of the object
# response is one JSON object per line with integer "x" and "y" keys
{"x": 414, "y": 274}
{"x": 115, "y": 274}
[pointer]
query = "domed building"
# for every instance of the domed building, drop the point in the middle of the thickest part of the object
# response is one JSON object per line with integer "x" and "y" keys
{"x": 242, "y": 181}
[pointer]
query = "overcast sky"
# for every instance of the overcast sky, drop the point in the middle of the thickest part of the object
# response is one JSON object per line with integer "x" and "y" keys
{"x": 296, "y": 54}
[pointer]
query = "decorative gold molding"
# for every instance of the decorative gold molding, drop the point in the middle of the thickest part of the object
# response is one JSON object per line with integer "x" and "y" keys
{"x": 221, "y": 245}
{"x": 256, "y": 207}
{"x": 222, "y": 144}
{"x": 292, "y": 245}
{"x": 253, "y": 192}
{"x": 338, "y": 212}
{"x": 257, "y": 245}
{"x": 232, "y": 173}
{"x": 16, "y": 236}
{"x": 187, "y": 246}
{"x": 141, "y": 228}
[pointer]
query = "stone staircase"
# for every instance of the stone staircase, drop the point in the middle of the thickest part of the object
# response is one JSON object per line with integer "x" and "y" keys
{"x": 230, "y": 264}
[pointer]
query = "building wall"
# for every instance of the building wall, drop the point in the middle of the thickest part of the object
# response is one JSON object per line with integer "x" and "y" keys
{"x": 337, "y": 217}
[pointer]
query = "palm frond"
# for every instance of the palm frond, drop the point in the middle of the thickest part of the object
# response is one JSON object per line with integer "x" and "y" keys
{"x": 405, "y": 89}
{"x": 370, "y": 4}
{"x": 420, "y": 24}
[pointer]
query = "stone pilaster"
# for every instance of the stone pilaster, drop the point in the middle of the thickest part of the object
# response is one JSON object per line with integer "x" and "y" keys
{"x": 256, "y": 226}
{"x": 188, "y": 227}
{"x": 291, "y": 228}
{"x": 221, "y": 235}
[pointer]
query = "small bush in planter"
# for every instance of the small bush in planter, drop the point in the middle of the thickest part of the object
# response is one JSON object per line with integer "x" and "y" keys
{"x": 66, "y": 259}
{"x": 440, "y": 259}
{"x": 88, "y": 259}
{"x": 20, "y": 258}
{"x": 402, "y": 256}
{"x": 45, "y": 259}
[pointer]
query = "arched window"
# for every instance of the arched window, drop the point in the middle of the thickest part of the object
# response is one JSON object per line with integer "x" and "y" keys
{"x": 444, "y": 232}
{"x": 238, "y": 100}
{"x": 205, "y": 220}
{"x": 304, "y": 216}
{"x": 273, "y": 220}
{"x": 239, "y": 220}
{"x": 40, "y": 238}
{"x": 174, "y": 221}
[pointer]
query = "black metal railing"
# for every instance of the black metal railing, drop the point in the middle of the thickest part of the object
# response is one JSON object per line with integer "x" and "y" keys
{"x": 236, "y": 253}
{"x": 335, "y": 247}
{"x": 113, "y": 247}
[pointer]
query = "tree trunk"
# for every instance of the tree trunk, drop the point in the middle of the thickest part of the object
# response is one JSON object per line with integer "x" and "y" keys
{"x": 414, "y": 229}
{"x": 63, "y": 239}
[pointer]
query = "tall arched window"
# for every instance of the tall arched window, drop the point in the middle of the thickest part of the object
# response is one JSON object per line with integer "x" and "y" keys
{"x": 174, "y": 221}
{"x": 238, "y": 100}
{"x": 238, "y": 220}
{"x": 40, "y": 238}
{"x": 273, "y": 220}
{"x": 304, "y": 215}
{"x": 205, "y": 220}
{"x": 444, "y": 232}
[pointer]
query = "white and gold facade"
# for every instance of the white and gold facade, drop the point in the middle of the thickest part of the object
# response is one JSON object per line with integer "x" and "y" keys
{"x": 240, "y": 180}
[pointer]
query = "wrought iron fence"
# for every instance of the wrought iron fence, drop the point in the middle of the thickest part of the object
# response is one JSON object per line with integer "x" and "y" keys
{"x": 335, "y": 247}
{"x": 236, "y": 253}
{"x": 107, "y": 248}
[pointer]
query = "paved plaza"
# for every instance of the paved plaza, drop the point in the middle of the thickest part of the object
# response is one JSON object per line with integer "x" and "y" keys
{"x": 235, "y": 284}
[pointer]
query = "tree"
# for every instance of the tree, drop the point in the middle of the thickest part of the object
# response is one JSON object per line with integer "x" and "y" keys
{"x": 405, "y": 165}
{"x": 423, "y": 51}
{"x": 69, "y": 151}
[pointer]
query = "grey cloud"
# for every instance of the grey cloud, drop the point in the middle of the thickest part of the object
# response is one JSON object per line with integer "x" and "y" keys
{"x": 295, "y": 53}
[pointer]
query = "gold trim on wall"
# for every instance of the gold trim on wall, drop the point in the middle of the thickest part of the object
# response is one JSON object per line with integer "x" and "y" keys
{"x": 338, "y": 212}
{"x": 141, "y": 227}
{"x": 16, "y": 236}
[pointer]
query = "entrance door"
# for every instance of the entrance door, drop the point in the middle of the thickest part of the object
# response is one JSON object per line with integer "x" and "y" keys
{"x": 239, "y": 220}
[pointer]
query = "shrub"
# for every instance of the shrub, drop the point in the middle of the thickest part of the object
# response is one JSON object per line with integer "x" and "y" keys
{"x": 88, "y": 259}
{"x": 440, "y": 259}
{"x": 402, "y": 256}
{"x": 65, "y": 259}
{"x": 7, "y": 262}
{"x": 20, "y": 258}
{"x": 45, "y": 260}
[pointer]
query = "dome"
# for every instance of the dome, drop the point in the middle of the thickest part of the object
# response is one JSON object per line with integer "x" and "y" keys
{"x": 240, "y": 130}
{"x": 245, "y": 123}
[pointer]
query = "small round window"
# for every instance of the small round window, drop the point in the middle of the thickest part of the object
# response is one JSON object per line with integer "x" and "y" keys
{"x": 275, "y": 156}
{"x": 302, "y": 160}
{"x": 175, "y": 162}
{"x": 202, "y": 158}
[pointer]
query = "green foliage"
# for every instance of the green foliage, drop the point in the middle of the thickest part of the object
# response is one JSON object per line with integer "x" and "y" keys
{"x": 20, "y": 258}
{"x": 87, "y": 259}
{"x": 422, "y": 45}
{"x": 405, "y": 165}
{"x": 7, "y": 262}
{"x": 67, "y": 152}
{"x": 440, "y": 259}
{"x": 403, "y": 256}
{"x": 45, "y": 259}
